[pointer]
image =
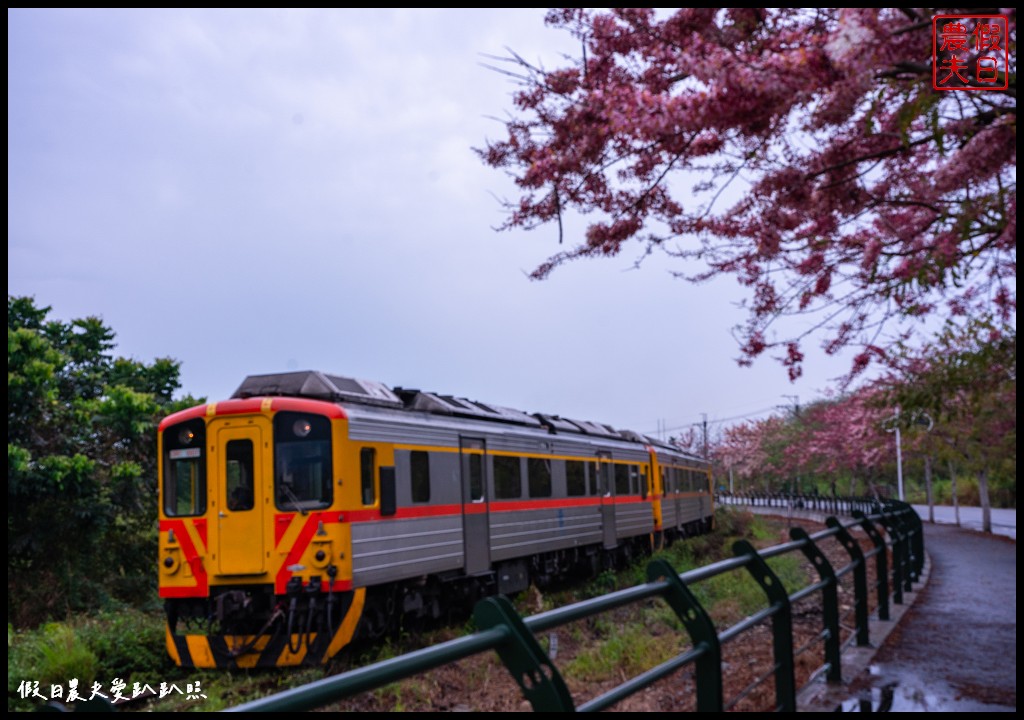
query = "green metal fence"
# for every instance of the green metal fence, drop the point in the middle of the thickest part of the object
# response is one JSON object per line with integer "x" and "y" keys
{"x": 894, "y": 530}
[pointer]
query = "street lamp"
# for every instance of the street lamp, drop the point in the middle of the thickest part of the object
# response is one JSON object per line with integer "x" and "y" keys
{"x": 921, "y": 418}
{"x": 895, "y": 422}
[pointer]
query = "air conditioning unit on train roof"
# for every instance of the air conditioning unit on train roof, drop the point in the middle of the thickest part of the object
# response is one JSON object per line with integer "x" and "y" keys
{"x": 318, "y": 385}
{"x": 439, "y": 404}
{"x": 593, "y": 428}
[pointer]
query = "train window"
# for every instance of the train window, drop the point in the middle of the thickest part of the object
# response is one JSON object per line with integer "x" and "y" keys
{"x": 538, "y": 470}
{"x": 238, "y": 475}
{"x": 643, "y": 482}
{"x": 621, "y": 480}
{"x": 634, "y": 480}
{"x": 594, "y": 474}
{"x": 184, "y": 493}
{"x": 476, "y": 477}
{"x": 606, "y": 478}
{"x": 302, "y": 461}
{"x": 185, "y": 469}
{"x": 367, "y": 468}
{"x": 508, "y": 481}
{"x": 420, "y": 466}
{"x": 575, "y": 478}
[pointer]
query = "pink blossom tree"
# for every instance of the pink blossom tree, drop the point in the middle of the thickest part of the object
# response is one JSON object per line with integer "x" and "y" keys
{"x": 802, "y": 150}
{"x": 831, "y": 440}
{"x": 755, "y": 451}
{"x": 846, "y": 437}
{"x": 966, "y": 380}
{"x": 964, "y": 385}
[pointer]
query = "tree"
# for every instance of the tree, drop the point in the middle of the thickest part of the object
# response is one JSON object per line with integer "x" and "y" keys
{"x": 862, "y": 198}
{"x": 829, "y": 440}
{"x": 845, "y": 437}
{"x": 966, "y": 380}
{"x": 81, "y": 464}
{"x": 755, "y": 451}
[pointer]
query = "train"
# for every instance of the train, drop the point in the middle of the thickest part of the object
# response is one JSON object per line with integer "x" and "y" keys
{"x": 310, "y": 510}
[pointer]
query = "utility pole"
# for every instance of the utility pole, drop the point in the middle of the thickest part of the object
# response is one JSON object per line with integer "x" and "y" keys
{"x": 796, "y": 417}
{"x": 796, "y": 404}
{"x": 705, "y": 416}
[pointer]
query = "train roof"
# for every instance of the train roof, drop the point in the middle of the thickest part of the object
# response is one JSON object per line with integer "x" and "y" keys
{"x": 325, "y": 386}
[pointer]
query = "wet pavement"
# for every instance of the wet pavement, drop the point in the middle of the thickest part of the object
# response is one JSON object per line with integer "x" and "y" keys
{"x": 952, "y": 647}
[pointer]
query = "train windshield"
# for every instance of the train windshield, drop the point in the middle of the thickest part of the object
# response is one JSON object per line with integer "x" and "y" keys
{"x": 302, "y": 461}
{"x": 184, "y": 469}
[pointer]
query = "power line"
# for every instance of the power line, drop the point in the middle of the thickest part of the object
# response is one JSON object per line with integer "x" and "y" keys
{"x": 713, "y": 422}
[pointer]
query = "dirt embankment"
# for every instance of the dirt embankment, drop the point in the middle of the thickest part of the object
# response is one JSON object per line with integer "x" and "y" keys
{"x": 597, "y": 655}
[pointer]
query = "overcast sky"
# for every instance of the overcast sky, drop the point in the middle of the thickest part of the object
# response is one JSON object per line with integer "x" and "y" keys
{"x": 268, "y": 190}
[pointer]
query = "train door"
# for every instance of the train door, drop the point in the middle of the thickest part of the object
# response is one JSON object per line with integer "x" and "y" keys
{"x": 677, "y": 501}
{"x": 475, "y": 522}
{"x": 237, "y": 462}
{"x": 606, "y": 486}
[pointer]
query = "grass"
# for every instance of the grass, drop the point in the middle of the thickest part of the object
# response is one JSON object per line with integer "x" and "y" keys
{"x": 623, "y": 644}
{"x": 124, "y": 648}
{"x": 128, "y": 645}
{"x": 627, "y": 653}
{"x": 104, "y": 648}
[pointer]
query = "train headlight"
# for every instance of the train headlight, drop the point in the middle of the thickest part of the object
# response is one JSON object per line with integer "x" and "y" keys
{"x": 321, "y": 553}
{"x": 170, "y": 562}
{"x": 186, "y": 436}
{"x": 302, "y": 427}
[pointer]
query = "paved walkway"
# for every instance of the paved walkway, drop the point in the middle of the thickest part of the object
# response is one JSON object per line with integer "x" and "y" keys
{"x": 952, "y": 647}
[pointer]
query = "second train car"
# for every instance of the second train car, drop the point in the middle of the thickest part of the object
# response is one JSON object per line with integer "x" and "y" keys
{"x": 310, "y": 509}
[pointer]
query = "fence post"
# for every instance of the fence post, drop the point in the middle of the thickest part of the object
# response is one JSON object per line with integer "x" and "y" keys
{"x": 830, "y": 602}
{"x": 782, "y": 625}
{"x": 916, "y": 540}
{"x": 881, "y": 563}
{"x": 902, "y": 520}
{"x": 898, "y": 555}
{"x": 522, "y": 655}
{"x": 908, "y": 530}
{"x": 895, "y": 517}
{"x": 702, "y": 632}
{"x": 861, "y": 594}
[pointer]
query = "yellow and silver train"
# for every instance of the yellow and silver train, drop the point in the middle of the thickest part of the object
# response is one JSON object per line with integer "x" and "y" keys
{"x": 310, "y": 509}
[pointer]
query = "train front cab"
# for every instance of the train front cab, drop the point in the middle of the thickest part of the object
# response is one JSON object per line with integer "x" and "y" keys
{"x": 254, "y": 549}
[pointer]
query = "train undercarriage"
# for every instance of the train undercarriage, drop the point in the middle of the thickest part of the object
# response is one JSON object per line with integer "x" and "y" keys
{"x": 250, "y": 626}
{"x": 429, "y": 600}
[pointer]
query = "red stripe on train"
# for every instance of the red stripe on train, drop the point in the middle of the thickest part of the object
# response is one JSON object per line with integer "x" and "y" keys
{"x": 423, "y": 511}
